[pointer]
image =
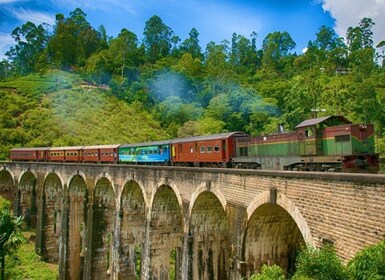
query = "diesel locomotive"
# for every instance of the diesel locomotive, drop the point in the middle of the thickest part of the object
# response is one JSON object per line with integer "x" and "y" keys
{"x": 329, "y": 143}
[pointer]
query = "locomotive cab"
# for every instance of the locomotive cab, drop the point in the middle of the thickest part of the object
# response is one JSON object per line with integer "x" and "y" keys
{"x": 338, "y": 144}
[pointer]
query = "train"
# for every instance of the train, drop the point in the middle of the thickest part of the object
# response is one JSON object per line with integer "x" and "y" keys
{"x": 328, "y": 144}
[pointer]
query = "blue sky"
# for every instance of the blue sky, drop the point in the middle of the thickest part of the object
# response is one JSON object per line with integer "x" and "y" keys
{"x": 215, "y": 20}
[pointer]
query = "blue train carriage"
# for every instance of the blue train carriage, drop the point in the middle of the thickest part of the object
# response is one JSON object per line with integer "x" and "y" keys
{"x": 157, "y": 152}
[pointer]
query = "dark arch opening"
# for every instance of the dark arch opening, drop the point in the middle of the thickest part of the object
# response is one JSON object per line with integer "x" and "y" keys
{"x": 132, "y": 234}
{"x": 166, "y": 233}
{"x": 210, "y": 243}
{"x": 52, "y": 218}
{"x": 27, "y": 205}
{"x": 103, "y": 222}
{"x": 272, "y": 237}
{"x": 7, "y": 187}
{"x": 77, "y": 222}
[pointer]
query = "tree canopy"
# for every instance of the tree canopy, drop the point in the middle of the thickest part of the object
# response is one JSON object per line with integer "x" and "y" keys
{"x": 234, "y": 84}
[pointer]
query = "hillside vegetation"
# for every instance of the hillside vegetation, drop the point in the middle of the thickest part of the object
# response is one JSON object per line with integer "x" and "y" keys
{"x": 58, "y": 109}
{"x": 76, "y": 85}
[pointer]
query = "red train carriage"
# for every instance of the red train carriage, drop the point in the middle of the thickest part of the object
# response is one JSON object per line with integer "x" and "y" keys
{"x": 29, "y": 154}
{"x": 66, "y": 154}
{"x": 211, "y": 150}
{"x": 100, "y": 154}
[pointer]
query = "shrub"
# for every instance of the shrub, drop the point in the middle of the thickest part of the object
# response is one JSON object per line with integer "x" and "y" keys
{"x": 368, "y": 264}
{"x": 319, "y": 264}
{"x": 273, "y": 272}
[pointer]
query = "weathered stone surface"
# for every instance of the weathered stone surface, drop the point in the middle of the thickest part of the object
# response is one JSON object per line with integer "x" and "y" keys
{"x": 123, "y": 221}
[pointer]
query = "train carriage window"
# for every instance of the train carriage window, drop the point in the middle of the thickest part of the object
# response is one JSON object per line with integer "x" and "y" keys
{"x": 243, "y": 151}
{"x": 191, "y": 150}
{"x": 309, "y": 132}
{"x": 209, "y": 149}
{"x": 342, "y": 138}
{"x": 216, "y": 149}
{"x": 203, "y": 149}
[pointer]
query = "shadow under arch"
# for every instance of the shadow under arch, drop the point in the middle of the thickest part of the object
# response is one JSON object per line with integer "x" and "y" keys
{"x": 166, "y": 225}
{"x": 209, "y": 240}
{"x": 77, "y": 223}
{"x": 27, "y": 198}
{"x": 275, "y": 232}
{"x": 7, "y": 185}
{"x": 53, "y": 198}
{"x": 133, "y": 203}
{"x": 103, "y": 222}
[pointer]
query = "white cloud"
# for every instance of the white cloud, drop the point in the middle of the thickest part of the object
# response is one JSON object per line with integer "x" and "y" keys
{"x": 36, "y": 17}
{"x": 6, "y": 41}
{"x": 348, "y": 13}
{"x": 102, "y": 5}
{"x": 9, "y": 1}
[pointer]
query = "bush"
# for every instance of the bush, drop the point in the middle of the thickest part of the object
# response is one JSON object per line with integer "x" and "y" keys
{"x": 368, "y": 264}
{"x": 273, "y": 272}
{"x": 319, "y": 264}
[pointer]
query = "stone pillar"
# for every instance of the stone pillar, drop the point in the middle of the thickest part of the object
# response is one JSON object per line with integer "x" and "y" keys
{"x": 116, "y": 239}
{"x": 40, "y": 214}
{"x": 88, "y": 241}
{"x": 64, "y": 238}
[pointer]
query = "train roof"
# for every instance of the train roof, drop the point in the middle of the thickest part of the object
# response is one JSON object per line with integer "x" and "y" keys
{"x": 210, "y": 137}
{"x": 101, "y": 147}
{"x": 66, "y": 148}
{"x": 146, "y": 144}
{"x": 31, "y": 149}
{"x": 330, "y": 120}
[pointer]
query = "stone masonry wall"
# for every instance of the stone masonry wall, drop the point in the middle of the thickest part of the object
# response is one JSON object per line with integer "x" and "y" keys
{"x": 219, "y": 223}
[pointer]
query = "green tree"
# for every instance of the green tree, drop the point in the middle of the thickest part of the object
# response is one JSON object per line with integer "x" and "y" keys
{"x": 243, "y": 55}
{"x": 30, "y": 41}
{"x": 157, "y": 38}
{"x": 73, "y": 40}
{"x": 276, "y": 46}
{"x": 319, "y": 264}
{"x": 360, "y": 42}
{"x": 10, "y": 235}
{"x": 125, "y": 54}
{"x": 273, "y": 272}
{"x": 191, "y": 45}
{"x": 369, "y": 263}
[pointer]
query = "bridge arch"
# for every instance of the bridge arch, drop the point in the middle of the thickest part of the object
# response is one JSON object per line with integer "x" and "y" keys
{"x": 133, "y": 210}
{"x": 274, "y": 234}
{"x": 207, "y": 187}
{"x": 105, "y": 176}
{"x": 166, "y": 230}
{"x": 209, "y": 241}
{"x": 77, "y": 224}
{"x": 57, "y": 174}
{"x": 7, "y": 184}
{"x": 103, "y": 223}
{"x": 53, "y": 198}
{"x": 27, "y": 198}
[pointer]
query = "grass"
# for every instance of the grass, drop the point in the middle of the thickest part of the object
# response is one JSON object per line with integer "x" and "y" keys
{"x": 26, "y": 264}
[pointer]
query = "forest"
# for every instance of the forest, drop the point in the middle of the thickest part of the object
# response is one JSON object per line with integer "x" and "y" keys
{"x": 73, "y": 84}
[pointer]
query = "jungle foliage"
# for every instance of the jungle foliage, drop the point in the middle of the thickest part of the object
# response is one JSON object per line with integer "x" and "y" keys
{"x": 77, "y": 85}
{"x": 324, "y": 264}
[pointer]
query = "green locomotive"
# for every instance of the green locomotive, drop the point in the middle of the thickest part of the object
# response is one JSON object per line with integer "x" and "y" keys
{"x": 330, "y": 143}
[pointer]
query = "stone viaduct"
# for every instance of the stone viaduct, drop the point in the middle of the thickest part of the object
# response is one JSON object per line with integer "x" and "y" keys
{"x": 149, "y": 222}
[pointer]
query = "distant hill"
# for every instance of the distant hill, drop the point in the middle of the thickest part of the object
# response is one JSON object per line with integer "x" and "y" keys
{"x": 60, "y": 109}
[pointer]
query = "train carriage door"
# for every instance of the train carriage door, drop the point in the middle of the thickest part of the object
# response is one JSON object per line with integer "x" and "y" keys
{"x": 308, "y": 141}
{"x": 319, "y": 140}
{"x": 224, "y": 150}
